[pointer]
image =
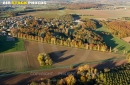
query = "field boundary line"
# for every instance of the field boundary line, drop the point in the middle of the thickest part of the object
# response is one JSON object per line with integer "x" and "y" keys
{"x": 59, "y": 67}
{"x": 13, "y": 52}
{"x": 74, "y": 47}
{"x": 27, "y": 55}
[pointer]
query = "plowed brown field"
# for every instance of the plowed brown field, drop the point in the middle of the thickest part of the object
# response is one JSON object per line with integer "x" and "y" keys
{"x": 64, "y": 55}
{"x": 60, "y": 55}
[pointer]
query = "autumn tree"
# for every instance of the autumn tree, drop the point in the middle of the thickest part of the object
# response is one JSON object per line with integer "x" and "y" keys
{"x": 128, "y": 57}
{"x": 44, "y": 59}
{"x": 12, "y": 14}
{"x": 70, "y": 80}
{"x": 110, "y": 49}
{"x": 115, "y": 50}
{"x": 89, "y": 24}
{"x": 119, "y": 28}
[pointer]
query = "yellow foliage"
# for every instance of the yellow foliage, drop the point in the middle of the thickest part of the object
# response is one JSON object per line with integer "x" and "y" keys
{"x": 39, "y": 57}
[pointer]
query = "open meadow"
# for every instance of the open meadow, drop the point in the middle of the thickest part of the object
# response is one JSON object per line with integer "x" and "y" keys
{"x": 49, "y": 14}
{"x": 11, "y": 46}
{"x": 104, "y": 14}
{"x": 15, "y": 61}
{"x": 97, "y": 14}
{"x": 113, "y": 41}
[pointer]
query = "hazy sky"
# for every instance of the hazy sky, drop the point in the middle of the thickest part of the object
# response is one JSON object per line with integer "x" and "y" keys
{"x": 72, "y": 0}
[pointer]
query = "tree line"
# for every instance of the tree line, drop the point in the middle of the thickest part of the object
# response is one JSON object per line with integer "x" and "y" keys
{"x": 89, "y": 24}
{"x": 118, "y": 28}
{"x": 86, "y": 75}
{"x": 60, "y": 33}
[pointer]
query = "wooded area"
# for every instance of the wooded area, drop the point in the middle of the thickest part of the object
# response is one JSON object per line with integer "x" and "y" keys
{"x": 80, "y": 5}
{"x": 86, "y": 75}
{"x": 59, "y": 32}
{"x": 118, "y": 28}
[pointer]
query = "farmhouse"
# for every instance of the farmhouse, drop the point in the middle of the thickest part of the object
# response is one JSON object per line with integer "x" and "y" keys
{"x": 126, "y": 39}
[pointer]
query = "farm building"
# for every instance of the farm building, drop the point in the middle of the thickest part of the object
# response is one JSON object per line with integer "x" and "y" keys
{"x": 126, "y": 39}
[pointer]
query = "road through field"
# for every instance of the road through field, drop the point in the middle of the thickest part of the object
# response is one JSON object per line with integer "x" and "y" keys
{"x": 65, "y": 55}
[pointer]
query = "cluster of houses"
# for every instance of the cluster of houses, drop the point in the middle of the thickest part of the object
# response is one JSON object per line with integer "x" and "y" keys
{"x": 7, "y": 24}
{"x": 13, "y": 22}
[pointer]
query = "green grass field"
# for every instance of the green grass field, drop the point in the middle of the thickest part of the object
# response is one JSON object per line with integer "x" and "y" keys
{"x": 82, "y": 17}
{"x": 50, "y": 14}
{"x": 114, "y": 42}
{"x": 11, "y": 46}
{"x": 13, "y": 62}
{"x": 47, "y": 15}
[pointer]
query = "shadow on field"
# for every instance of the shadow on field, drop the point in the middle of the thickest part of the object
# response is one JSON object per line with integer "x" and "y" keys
{"x": 2, "y": 72}
{"x": 57, "y": 56}
{"x": 5, "y": 79}
{"x": 109, "y": 63}
{"x": 77, "y": 65}
{"x": 107, "y": 39}
{"x": 25, "y": 81}
{"x": 62, "y": 75}
{"x": 20, "y": 14}
{"x": 6, "y": 45}
{"x": 97, "y": 23}
{"x": 121, "y": 48}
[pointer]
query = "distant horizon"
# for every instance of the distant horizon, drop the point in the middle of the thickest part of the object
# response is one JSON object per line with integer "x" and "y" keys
{"x": 79, "y": 1}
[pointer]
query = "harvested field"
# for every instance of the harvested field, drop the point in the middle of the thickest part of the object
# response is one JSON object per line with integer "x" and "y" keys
{"x": 32, "y": 51}
{"x": 65, "y": 55}
{"x": 27, "y": 60}
{"x": 24, "y": 79}
{"x": 105, "y": 13}
{"x": 48, "y": 14}
{"x": 97, "y": 14}
{"x": 61, "y": 56}
{"x": 15, "y": 61}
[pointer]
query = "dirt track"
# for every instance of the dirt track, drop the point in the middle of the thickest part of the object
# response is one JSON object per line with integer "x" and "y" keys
{"x": 25, "y": 79}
